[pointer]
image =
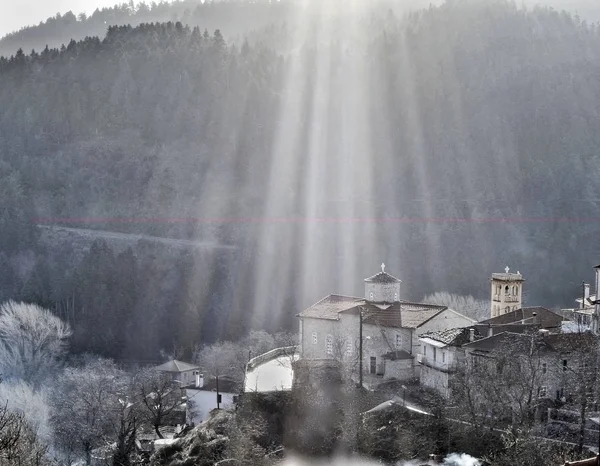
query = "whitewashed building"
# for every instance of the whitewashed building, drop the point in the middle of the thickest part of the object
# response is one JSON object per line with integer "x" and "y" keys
{"x": 441, "y": 354}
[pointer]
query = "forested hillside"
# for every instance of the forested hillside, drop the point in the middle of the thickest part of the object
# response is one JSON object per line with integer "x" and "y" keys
{"x": 447, "y": 143}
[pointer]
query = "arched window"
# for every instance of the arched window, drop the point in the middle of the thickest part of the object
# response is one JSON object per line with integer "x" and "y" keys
{"x": 507, "y": 310}
{"x": 315, "y": 339}
{"x": 329, "y": 344}
{"x": 395, "y": 297}
{"x": 371, "y": 296}
{"x": 506, "y": 290}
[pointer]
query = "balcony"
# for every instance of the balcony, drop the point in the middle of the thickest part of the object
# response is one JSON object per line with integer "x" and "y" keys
{"x": 511, "y": 299}
{"x": 437, "y": 365}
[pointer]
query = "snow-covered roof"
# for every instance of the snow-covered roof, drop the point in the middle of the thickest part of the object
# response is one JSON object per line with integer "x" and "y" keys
{"x": 176, "y": 366}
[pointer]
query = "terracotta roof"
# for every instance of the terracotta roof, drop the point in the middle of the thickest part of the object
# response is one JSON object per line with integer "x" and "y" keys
{"x": 399, "y": 314}
{"x": 567, "y": 342}
{"x": 176, "y": 366}
{"x": 391, "y": 317}
{"x": 330, "y": 306}
{"x": 546, "y": 318}
{"x": 414, "y": 315}
{"x": 516, "y": 341}
{"x": 453, "y": 336}
{"x": 383, "y": 277}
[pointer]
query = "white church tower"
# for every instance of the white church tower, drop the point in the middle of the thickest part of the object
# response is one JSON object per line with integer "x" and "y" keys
{"x": 507, "y": 292}
{"x": 382, "y": 287}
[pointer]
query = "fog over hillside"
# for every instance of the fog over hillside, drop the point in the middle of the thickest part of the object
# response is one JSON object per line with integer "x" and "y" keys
{"x": 448, "y": 143}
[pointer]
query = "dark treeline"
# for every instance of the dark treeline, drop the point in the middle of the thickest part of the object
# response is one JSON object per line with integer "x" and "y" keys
{"x": 484, "y": 114}
{"x": 235, "y": 17}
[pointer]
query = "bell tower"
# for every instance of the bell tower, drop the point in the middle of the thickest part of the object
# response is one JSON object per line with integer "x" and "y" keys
{"x": 382, "y": 287}
{"x": 507, "y": 292}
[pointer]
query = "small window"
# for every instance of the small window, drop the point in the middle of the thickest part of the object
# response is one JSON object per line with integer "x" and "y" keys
{"x": 443, "y": 356}
{"x": 395, "y": 296}
{"x": 434, "y": 351}
{"x": 398, "y": 340}
{"x": 564, "y": 365}
{"x": 329, "y": 344}
{"x": 315, "y": 339}
{"x": 371, "y": 296}
{"x": 424, "y": 350}
{"x": 544, "y": 368}
{"x": 235, "y": 398}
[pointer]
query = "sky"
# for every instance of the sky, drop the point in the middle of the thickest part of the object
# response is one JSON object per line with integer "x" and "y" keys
{"x": 15, "y": 14}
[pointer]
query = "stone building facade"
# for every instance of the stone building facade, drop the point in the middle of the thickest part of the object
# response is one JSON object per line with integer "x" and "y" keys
{"x": 331, "y": 329}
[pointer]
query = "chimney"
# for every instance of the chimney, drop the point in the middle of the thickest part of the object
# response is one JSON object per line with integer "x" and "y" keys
{"x": 586, "y": 295}
{"x": 199, "y": 380}
{"x": 471, "y": 334}
{"x": 536, "y": 320}
{"x": 490, "y": 330}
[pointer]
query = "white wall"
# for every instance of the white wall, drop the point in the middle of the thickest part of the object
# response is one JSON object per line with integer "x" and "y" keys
{"x": 204, "y": 402}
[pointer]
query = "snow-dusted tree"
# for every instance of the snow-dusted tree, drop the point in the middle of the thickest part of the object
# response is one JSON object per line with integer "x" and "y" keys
{"x": 19, "y": 445}
{"x": 32, "y": 342}
{"x": 85, "y": 406}
{"x": 477, "y": 309}
{"x": 159, "y": 398}
{"x": 18, "y": 396}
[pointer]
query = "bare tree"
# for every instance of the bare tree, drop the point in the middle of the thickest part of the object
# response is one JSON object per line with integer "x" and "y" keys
{"x": 85, "y": 407}
{"x": 468, "y": 305}
{"x": 32, "y": 341}
{"x": 159, "y": 397}
{"x": 502, "y": 388}
{"x": 19, "y": 444}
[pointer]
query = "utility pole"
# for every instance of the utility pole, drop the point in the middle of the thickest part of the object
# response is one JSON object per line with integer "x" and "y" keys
{"x": 218, "y": 394}
{"x": 360, "y": 347}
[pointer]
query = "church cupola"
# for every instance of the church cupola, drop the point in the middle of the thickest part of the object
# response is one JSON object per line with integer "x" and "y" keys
{"x": 382, "y": 287}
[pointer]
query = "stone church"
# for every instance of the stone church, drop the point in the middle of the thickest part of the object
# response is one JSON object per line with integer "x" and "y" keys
{"x": 331, "y": 329}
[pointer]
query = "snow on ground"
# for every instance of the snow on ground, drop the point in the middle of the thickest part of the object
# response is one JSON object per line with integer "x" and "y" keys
{"x": 271, "y": 376}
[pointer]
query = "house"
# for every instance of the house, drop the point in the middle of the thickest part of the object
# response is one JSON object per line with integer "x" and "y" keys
{"x": 557, "y": 362}
{"x": 182, "y": 373}
{"x": 522, "y": 320}
{"x": 379, "y": 332}
{"x": 440, "y": 356}
{"x": 216, "y": 393}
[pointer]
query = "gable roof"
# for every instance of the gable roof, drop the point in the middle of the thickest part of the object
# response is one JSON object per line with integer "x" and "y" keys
{"x": 383, "y": 277}
{"x": 516, "y": 341}
{"x": 553, "y": 342}
{"x": 330, "y": 306}
{"x": 401, "y": 314}
{"x": 176, "y": 366}
{"x": 546, "y": 318}
{"x": 453, "y": 336}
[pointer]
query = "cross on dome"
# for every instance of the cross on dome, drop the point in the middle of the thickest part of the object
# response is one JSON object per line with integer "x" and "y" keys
{"x": 382, "y": 267}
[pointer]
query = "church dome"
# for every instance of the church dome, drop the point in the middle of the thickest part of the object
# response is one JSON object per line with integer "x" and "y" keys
{"x": 382, "y": 287}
